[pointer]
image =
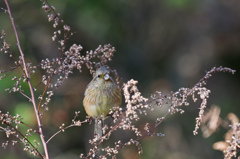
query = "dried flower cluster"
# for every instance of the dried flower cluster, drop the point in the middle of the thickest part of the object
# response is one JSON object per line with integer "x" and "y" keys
{"x": 72, "y": 59}
{"x": 234, "y": 142}
{"x": 10, "y": 126}
{"x": 211, "y": 121}
{"x": 231, "y": 145}
{"x": 137, "y": 105}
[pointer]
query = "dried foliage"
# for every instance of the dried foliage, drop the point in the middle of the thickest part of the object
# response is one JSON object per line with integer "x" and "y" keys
{"x": 136, "y": 106}
{"x": 212, "y": 121}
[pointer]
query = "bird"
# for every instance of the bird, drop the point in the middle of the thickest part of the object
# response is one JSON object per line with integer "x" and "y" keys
{"x": 101, "y": 94}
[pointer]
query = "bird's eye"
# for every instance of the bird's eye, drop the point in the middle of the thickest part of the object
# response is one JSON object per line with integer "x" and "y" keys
{"x": 98, "y": 76}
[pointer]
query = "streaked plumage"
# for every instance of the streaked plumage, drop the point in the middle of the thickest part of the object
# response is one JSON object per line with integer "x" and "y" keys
{"x": 101, "y": 94}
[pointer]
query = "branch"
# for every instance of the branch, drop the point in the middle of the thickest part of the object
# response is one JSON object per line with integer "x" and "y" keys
{"x": 28, "y": 80}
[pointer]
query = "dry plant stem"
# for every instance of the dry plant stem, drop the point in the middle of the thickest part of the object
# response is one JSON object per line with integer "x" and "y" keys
{"x": 59, "y": 58}
{"x": 139, "y": 138}
{"x": 29, "y": 82}
{"x": 151, "y": 131}
{"x": 23, "y": 123}
{"x": 24, "y": 137}
{"x": 25, "y": 95}
{"x": 65, "y": 39}
{"x": 59, "y": 132}
{"x": 107, "y": 136}
{"x": 49, "y": 80}
{"x": 45, "y": 1}
{"x": 118, "y": 124}
{"x": 63, "y": 130}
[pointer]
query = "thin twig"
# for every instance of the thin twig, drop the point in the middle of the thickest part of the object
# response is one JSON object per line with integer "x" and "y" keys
{"x": 59, "y": 132}
{"x": 85, "y": 121}
{"x": 25, "y": 95}
{"x": 29, "y": 82}
{"x": 20, "y": 122}
{"x": 59, "y": 57}
{"x": 24, "y": 137}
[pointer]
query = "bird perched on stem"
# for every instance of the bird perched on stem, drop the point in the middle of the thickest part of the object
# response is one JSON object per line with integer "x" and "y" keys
{"x": 101, "y": 95}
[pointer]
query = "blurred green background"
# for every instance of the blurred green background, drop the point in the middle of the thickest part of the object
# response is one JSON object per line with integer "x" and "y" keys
{"x": 164, "y": 44}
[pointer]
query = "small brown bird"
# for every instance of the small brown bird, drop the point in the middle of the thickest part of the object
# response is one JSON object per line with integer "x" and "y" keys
{"x": 101, "y": 95}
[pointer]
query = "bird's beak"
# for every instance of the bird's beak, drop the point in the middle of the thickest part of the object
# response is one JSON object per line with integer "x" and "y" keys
{"x": 106, "y": 76}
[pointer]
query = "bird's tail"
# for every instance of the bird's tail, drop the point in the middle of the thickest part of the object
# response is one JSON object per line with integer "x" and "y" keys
{"x": 98, "y": 132}
{"x": 98, "y": 128}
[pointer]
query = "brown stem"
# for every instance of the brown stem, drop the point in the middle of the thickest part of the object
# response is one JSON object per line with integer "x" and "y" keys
{"x": 29, "y": 82}
{"x": 55, "y": 67}
{"x": 25, "y": 138}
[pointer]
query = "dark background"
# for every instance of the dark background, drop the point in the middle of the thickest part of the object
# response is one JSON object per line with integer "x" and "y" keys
{"x": 164, "y": 44}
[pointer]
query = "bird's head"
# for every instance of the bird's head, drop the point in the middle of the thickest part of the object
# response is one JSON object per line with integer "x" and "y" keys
{"x": 103, "y": 73}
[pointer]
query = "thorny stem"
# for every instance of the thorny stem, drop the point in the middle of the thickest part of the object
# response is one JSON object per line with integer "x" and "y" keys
{"x": 29, "y": 82}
